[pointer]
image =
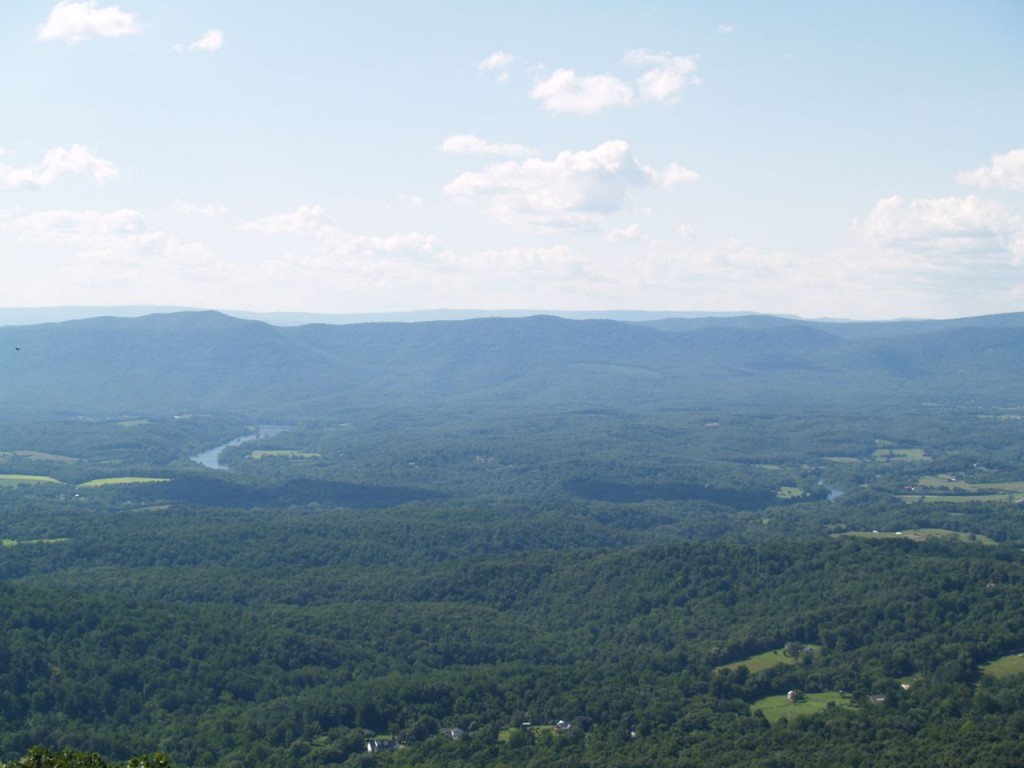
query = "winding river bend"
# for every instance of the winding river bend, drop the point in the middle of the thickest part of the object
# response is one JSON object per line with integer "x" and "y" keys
{"x": 211, "y": 457}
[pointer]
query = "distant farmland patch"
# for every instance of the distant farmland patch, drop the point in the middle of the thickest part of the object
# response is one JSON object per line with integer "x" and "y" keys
{"x": 951, "y": 488}
{"x": 283, "y": 454}
{"x": 775, "y": 708}
{"x": 762, "y": 661}
{"x": 921, "y": 534}
{"x": 900, "y": 454}
{"x": 38, "y": 456}
{"x": 23, "y": 542}
{"x": 101, "y": 481}
{"x": 1007, "y": 666}
{"x": 13, "y": 480}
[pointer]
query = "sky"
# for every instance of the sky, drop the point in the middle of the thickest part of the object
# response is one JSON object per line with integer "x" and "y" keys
{"x": 842, "y": 160}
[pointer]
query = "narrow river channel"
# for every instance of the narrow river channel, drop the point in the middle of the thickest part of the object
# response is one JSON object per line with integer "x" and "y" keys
{"x": 211, "y": 457}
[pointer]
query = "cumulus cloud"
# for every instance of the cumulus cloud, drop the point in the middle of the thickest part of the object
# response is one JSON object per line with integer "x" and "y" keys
{"x": 75, "y": 22}
{"x": 304, "y": 221}
{"x": 1006, "y": 171}
{"x": 77, "y": 159}
{"x": 109, "y": 246}
{"x": 675, "y": 174}
{"x": 623, "y": 234}
{"x": 564, "y": 91}
{"x": 468, "y": 144}
{"x": 667, "y": 77}
{"x": 67, "y": 227}
{"x": 210, "y": 41}
{"x": 950, "y": 231}
{"x": 185, "y": 208}
{"x": 498, "y": 63}
{"x": 724, "y": 28}
{"x": 573, "y": 189}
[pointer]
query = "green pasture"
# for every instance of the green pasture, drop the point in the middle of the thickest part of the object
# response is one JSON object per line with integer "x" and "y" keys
{"x": 955, "y": 499}
{"x": 1006, "y": 666}
{"x": 38, "y": 456}
{"x": 23, "y": 542}
{"x": 949, "y": 488}
{"x": 12, "y": 480}
{"x": 101, "y": 481}
{"x": 774, "y": 708}
{"x": 283, "y": 454}
{"x": 900, "y": 454}
{"x": 762, "y": 661}
{"x": 789, "y": 492}
{"x": 133, "y": 422}
{"x": 921, "y": 534}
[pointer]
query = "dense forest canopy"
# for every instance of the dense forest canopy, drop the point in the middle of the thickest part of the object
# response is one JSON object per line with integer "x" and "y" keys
{"x": 458, "y": 549}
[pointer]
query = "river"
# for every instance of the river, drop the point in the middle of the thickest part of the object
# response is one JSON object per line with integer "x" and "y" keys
{"x": 211, "y": 458}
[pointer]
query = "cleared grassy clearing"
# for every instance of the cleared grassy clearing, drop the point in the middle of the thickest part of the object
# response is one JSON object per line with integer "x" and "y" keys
{"x": 953, "y": 499}
{"x": 1007, "y": 666}
{"x": 283, "y": 454}
{"x": 900, "y": 454}
{"x": 921, "y": 534}
{"x": 789, "y": 492}
{"x": 762, "y": 661}
{"x": 23, "y": 542}
{"x": 133, "y": 422}
{"x": 11, "y": 480}
{"x": 38, "y": 456}
{"x": 99, "y": 482}
{"x": 775, "y": 708}
{"x": 950, "y": 488}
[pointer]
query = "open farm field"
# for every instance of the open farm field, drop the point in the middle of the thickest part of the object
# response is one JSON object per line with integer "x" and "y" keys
{"x": 951, "y": 488}
{"x": 1007, "y": 666}
{"x": 775, "y": 708}
{"x": 283, "y": 454}
{"x": 762, "y": 661}
{"x": 103, "y": 481}
{"x": 922, "y": 534}
{"x": 13, "y": 480}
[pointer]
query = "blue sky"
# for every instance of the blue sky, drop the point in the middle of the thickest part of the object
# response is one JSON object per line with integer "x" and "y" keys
{"x": 827, "y": 160}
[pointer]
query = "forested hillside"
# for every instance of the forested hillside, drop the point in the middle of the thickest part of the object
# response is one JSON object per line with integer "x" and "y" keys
{"x": 516, "y": 542}
{"x": 205, "y": 361}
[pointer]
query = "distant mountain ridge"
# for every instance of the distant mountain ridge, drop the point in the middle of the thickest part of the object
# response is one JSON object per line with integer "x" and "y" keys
{"x": 208, "y": 361}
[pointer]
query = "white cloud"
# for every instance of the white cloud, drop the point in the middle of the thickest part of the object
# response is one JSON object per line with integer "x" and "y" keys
{"x": 663, "y": 81}
{"x": 109, "y": 246}
{"x": 675, "y": 174}
{"x": 75, "y": 22}
{"x": 623, "y": 234}
{"x": 950, "y": 232}
{"x": 66, "y": 227}
{"x": 55, "y": 162}
{"x": 564, "y": 91}
{"x": 497, "y": 60}
{"x": 468, "y": 144}
{"x": 573, "y": 189}
{"x": 725, "y": 28}
{"x": 210, "y": 41}
{"x": 185, "y": 208}
{"x": 1006, "y": 171}
{"x": 304, "y": 221}
{"x": 667, "y": 78}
